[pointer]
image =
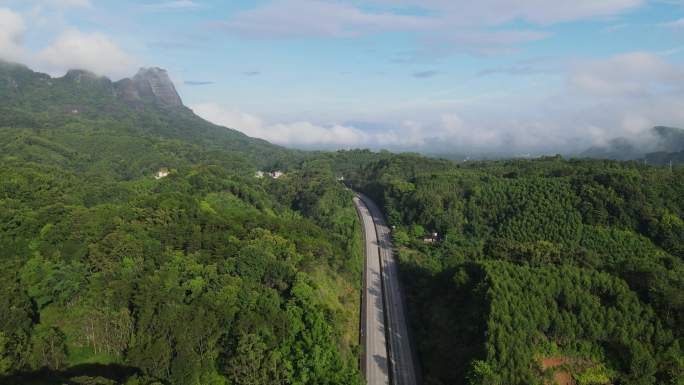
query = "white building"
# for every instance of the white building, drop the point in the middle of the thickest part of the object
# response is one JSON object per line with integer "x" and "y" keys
{"x": 162, "y": 173}
{"x": 432, "y": 238}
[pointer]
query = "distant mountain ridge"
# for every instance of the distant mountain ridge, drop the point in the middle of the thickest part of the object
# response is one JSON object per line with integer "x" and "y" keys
{"x": 670, "y": 139}
{"x": 667, "y": 145}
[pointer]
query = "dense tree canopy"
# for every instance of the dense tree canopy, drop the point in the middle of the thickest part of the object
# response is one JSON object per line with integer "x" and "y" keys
{"x": 576, "y": 261}
{"x": 180, "y": 276}
{"x": 209, "y": 275}
{"x": 213, "y": 275}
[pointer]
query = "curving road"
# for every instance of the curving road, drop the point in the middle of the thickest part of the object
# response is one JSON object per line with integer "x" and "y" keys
{"x": 389, "y": 357}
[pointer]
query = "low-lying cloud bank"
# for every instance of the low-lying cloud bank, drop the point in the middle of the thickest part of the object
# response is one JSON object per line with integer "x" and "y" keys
{"x": 297, "y": 134}
{"x": 623, "y": 96}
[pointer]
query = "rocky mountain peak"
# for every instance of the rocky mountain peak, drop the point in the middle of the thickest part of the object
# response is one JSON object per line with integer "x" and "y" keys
{"x": 80, "y": 75}
{"x": 152, "y": 84}
{"x": 149, "y": 85}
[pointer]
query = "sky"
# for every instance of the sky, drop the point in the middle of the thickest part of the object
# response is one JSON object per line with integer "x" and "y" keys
{"x": 437, "y": 76}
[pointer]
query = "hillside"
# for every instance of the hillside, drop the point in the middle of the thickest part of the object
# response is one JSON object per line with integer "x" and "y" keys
{"x": 126, "y": 121}
{"x": 207, "y": 275}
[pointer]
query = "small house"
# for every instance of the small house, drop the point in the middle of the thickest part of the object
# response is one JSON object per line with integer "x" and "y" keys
{"x": 162, "y": 173}
{"x": 431, "y": 238}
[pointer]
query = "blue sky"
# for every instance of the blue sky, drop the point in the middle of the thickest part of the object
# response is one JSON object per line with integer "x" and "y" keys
{"x": 429, "y": 75}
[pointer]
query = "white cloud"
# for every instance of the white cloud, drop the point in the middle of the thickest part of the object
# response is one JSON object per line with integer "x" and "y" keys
{"x": 482, "y": 42}
{"x": 676, "y": 24}
{"x": 59, "y": 4}
{"x": 217, "y": 114}
{"x": 450, "y": 130}
{"x": 671, "y": 51}
{"x": 296, "y": 18}
{"x": 12, "y": 29}
{"x": 307, "y": 134}
{"x": 90, "y": 51}
{"x": 297, "y": 134}
{"x": 178, "y": 4}
{"x": 615, "y": 28}
{"x": 69, "y": 3}
{"x": 72, "y": 49}
{"x": 620, "y": 96}
{"x": 631, "y": 74}
{"x": 304, "y": 18}
{"x": 448, "y": 26}
{"x": 626, "y": 95}
{"x": 496, "y": 12}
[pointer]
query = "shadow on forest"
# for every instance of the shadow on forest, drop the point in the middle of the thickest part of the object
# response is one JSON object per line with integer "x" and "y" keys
{"x": 447, "y": 322}
{"x": 75, "y": 375}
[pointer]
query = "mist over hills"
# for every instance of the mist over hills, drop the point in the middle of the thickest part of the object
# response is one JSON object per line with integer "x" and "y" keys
{"x": 663, "y": 145}
{"x": 148, "y": 103}
{"x": 657, "y": 146}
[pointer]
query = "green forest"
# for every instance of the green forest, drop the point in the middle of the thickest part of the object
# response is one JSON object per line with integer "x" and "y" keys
{"x": 542, "y": 268}
{"x": 207, "y": 276}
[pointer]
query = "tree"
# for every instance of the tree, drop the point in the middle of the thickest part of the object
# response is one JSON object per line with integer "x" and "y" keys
{"x": 253, "y": 364}
{"x": 48, "y": 347}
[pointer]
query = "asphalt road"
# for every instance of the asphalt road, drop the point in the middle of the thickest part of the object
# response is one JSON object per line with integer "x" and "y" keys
{"x": 389, "y": 357}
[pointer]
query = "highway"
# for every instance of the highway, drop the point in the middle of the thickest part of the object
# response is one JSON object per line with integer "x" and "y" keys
{"x": 388, "y": 354}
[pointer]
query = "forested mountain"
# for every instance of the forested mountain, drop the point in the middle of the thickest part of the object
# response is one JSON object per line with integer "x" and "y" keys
{"x": 129, "y": 122}
{"x": 542, "y": 270}
{"x": 208, "y": 275}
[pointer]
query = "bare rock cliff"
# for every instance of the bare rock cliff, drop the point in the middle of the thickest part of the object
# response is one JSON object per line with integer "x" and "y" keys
{"x": 152, "y": 85}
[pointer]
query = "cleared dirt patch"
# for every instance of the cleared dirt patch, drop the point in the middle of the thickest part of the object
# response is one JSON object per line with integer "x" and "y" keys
{"x": 560, "y": 377}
